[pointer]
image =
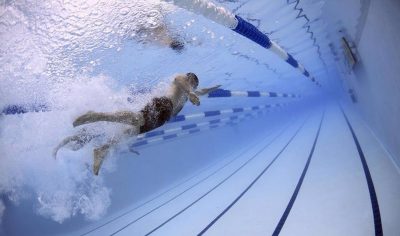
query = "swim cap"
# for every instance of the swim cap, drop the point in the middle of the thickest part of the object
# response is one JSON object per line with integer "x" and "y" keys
{"x": 192, "y": 76}
{"x": 177, "y": 45}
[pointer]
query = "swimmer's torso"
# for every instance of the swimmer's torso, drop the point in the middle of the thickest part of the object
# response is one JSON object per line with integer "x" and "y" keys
{"x": 161, "y": 109}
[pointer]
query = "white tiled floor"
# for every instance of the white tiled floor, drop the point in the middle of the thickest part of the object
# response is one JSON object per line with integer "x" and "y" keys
{"x": 333, "y": 199}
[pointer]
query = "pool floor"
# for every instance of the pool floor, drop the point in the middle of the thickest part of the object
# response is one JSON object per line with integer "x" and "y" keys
{"x": 307, "y": 178}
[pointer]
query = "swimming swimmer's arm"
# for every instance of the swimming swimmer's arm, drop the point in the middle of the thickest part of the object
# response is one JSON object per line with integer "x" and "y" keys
{"x": 181, "y": 83}
{"x": 194, "y": 99}
{"x": 205, "y": 91}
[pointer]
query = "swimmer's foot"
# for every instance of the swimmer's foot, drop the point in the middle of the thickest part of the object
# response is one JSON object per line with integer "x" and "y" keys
{"x": 99, "y": 154}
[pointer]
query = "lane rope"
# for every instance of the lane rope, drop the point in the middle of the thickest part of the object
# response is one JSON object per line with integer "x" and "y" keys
{"x": 236, "y": 23}
{"x": 228, "y": 93}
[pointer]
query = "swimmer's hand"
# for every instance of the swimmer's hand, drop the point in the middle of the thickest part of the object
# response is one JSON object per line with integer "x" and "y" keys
{"x": 194, "y": 99}
{"x": 205, "y": 91}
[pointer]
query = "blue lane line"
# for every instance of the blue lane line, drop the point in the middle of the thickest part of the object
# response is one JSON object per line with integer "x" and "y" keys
{"x": 285, "y": 215}
{"x": 192, "y": 186}
{"x": 228, "y": 177}
{"x": 371, "y": 188}
{"x": 159, "y": 195}
{"x": 252, "y": 183}
{"x": 223, "y": 181}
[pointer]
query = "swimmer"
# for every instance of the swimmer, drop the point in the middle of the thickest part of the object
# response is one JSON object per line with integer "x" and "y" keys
{"x": 156, "y": 113}
{"x": 160, "y": 35}
{"x": 158, "y": 32}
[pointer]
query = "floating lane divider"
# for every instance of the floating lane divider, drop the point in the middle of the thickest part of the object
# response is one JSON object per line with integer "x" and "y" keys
{"x": 228, "y": 93}
{"x": 147, "y": 138}
{"x": 21, "y": 109}
{"x": 193, "y": 125}
{"x": 189, "y": 126}
{"x": 226, "y": 18}
{"x": 206, "y": 114}
{"x": 184, "y": 133}
{"x": 30, "y": 108}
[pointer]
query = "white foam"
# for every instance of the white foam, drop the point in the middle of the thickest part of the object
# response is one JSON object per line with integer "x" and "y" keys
{"x": 48, "y": 57}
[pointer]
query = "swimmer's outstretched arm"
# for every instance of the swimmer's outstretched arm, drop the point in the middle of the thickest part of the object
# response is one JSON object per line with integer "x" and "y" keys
{"x": 205, "y": 91}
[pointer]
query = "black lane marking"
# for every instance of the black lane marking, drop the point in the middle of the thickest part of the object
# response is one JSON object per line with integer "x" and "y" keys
{"x": 194, "y": 185}
{"x": 220, "y": 183}
{"x": 285, "y": 215}
{"x": 252, "y": 183}
{"x": 371, "y": 188}
{"x": 158, "y": 196}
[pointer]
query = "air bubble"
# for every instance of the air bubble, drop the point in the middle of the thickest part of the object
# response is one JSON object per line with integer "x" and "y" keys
{"x": 124, "y": 11}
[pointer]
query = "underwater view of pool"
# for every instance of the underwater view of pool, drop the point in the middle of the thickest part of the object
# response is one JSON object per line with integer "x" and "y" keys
{"x": 199, "y": 117}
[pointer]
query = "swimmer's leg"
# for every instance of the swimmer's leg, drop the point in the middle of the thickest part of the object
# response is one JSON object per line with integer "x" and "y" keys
{"x": 79, "y": 141}
{"x": 100, "y": 153}
{"x": 125, "y": 117}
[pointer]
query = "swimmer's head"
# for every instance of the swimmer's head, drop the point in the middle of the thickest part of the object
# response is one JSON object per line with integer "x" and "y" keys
{"x": 177, "y": 45}
{"x": 193, "y": 80}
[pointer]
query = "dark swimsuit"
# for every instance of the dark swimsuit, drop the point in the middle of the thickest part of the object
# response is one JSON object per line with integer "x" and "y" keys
{"x": 156, "y": 113}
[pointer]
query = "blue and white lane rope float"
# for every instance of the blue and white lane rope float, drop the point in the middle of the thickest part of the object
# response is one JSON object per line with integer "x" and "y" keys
{"x": 229, "y": 93}
{"x": 175, "y": 132}
{"x": 226, "y": 18}
{"x": 31, "y": 108}
{"x": 193, "y": 125}
{"x": 22, "y": 109}
{"x": 206, "y": 114}
{"x": 186, "y": 130}
{"x": 172, "y": 136}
